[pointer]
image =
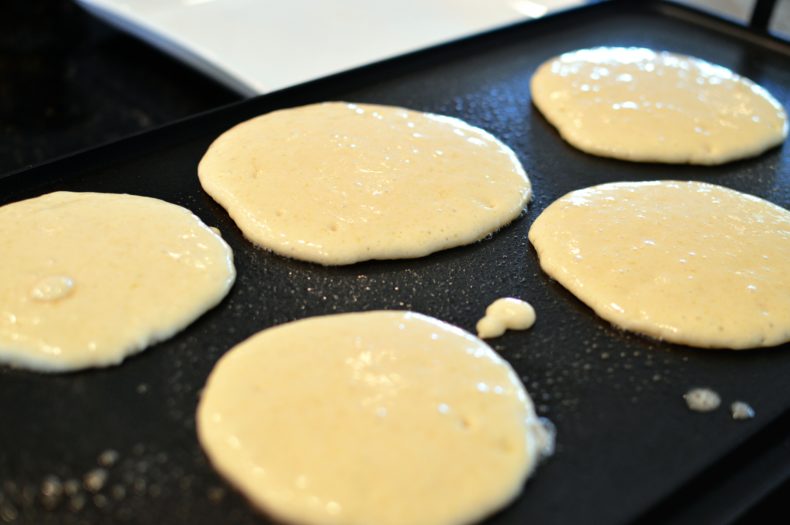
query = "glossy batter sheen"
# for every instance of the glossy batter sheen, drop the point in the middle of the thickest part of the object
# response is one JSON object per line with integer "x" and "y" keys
{"x": 89, "y": 278}
{"x": 688, "y": 262}
{"x": 507, "y": 313}
{"x": 378, "y": 417}
{"x": 338, "y": 183}
{"x": 641, "y": 105}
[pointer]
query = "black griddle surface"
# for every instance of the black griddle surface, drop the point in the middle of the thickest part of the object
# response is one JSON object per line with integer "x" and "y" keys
{"x": 628, "y": 448}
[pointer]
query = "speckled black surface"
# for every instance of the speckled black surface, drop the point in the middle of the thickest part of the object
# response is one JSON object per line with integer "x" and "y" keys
{"x": 627, "y": 445}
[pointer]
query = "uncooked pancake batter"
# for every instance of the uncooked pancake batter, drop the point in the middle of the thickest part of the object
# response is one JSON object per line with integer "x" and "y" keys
{"x": 741, "y": 410}
{"x": 338, "y": 183}
{"x": 89, "y": 278}
{"x": 688, "y": 262}
{"x": 378, "y": 417}
{"x": 702, "y": 399}
{"x": 507, "y": 313}
{"x": 642, "y": 105}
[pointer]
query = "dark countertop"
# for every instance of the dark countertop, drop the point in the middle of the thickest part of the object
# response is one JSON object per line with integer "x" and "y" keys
{"x": 70, "y": 82}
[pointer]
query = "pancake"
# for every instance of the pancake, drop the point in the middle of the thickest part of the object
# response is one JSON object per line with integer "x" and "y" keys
{"x": 339, "y": 183}
{"x": 377, "y": 417}
{"x": 687, "y": 262}
{"x": 90, "y": 278}
{"x": 642, "y": 105}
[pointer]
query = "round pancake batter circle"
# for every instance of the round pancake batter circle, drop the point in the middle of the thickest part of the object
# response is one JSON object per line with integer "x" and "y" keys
{"x": 687, "y": 262}
{"x": 337, "y": 183}
{"x": 385, "y": 417}
{"x": 642, "y": 105}
{"x": 89, "y": 278}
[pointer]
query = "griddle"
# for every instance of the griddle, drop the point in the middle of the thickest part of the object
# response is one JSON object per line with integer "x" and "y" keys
{"x": 628, "y": 448}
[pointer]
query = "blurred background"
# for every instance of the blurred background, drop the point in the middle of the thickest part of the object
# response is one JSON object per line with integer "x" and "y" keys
{"x": 76, "y": 74}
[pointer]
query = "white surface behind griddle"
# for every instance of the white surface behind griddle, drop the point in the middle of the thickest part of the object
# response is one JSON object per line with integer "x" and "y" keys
{"x": 257, "y": 46}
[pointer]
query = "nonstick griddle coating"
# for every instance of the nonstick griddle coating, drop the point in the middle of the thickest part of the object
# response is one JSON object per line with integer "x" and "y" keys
{"x": 626, "y": 441}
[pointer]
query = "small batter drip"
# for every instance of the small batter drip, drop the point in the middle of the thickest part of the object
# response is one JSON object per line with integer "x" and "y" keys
{"x": 546, "y": 435}
{"x": 503, "y": 314}
{"x": 741, "y": 410}
{"x": 702, "y": 399}
{"x": 52, "y": 288}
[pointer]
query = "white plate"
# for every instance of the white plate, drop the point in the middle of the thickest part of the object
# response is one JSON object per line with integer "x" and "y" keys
{"x": 257, "y": 46}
